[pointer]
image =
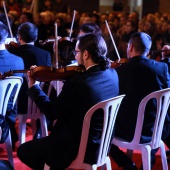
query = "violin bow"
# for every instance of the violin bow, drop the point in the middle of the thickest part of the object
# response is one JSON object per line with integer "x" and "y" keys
{"x": 3, "y": 3}
{"x": 32, "y": 5}
{"x": 71, "y": 29}
{"x": 56, "y": 83}
{"x": 113, "y": 41}
{"x": 56, "y": 46}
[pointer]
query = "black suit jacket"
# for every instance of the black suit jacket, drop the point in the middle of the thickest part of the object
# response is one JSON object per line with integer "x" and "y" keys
{"x": 77, "y": 96}
{"x": 139, "y": 77}
{"x": 31, "y": 55}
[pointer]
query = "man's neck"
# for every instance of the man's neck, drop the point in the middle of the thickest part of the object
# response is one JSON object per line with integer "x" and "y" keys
{"x": 90, "y": 66}
{"x": 24, "y": 43}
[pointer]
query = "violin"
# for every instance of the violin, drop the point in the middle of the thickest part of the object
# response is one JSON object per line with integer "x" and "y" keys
{"x": 45, "y": 73}
{"x": 117, "y": 63}
{"x": 12, "y": 44}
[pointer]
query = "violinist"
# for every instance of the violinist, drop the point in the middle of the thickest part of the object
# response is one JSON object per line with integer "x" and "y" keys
{"x": 79, "y": 93}
{"x": 27, "y": 34}
{"x": 9, "y": 61}
{"x": 84, "y": 29}
{"x": 137, "y": 78}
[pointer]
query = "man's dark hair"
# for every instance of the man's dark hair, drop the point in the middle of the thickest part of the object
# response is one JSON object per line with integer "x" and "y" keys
{"x": 3, "y": 32}
{"x": 91, "y": 28}
{"x": 28, "y": 32}
{"x": 96, "y": 46}
{"x": 142, "y": 42}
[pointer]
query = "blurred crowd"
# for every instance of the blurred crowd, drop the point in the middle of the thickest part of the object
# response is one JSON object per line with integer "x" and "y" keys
{"x": 122, "y": 25}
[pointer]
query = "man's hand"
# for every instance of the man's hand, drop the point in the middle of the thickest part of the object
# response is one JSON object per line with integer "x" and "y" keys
{"x": 31, "y": 80}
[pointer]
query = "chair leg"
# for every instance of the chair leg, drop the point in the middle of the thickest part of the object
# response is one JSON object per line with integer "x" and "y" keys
{"x": 43, "y": 126}
{"x": 108, "y": 163}
{"x": 163, "y": 157}
{"x": 8, "y": 145}
{"x": 146, "y": 158}
{"x": 22, "y": 128}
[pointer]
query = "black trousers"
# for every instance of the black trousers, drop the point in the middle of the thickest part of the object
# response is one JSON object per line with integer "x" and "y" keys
{"x": 53, "y": 151}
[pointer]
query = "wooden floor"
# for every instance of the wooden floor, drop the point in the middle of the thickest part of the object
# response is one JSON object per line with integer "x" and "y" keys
{"x": 18, "y": 165}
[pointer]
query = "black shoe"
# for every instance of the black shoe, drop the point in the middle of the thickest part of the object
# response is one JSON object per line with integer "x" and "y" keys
{"x": 130, "y": 166}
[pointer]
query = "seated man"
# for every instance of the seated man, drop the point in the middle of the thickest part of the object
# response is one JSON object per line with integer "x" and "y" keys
{"x": 31, "y": 55}
{"x": 79, "y": 93}
{"x": 137, "y": 78}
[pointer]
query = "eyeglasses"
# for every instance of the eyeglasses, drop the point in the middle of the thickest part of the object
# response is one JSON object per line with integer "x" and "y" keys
{"x": 75, "y": 52}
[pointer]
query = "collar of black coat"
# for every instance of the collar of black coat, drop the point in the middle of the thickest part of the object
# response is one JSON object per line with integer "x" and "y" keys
{"x": 95, "y": 68}
{"x": 139, "y": 57}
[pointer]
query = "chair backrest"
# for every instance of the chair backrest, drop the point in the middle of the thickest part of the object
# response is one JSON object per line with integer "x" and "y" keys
{"x": 110, "y": 108}
{"x": 162, "y": 99}
{"x": 8, "y": 86}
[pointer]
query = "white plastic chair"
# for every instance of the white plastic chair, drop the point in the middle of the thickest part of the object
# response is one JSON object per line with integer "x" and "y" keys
{"x": 110, "y": 108}
{"x": 163, "y": 100}
{"x": 33, "y": 113}
{"x": 6, "y": 87}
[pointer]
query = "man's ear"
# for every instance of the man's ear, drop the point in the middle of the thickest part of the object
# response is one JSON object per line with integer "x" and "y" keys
{"x": 131, "y": 47}
{"x": 86, "y": 55}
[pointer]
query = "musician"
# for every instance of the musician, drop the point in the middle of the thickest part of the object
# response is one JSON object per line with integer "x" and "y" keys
{"x": 137, "y": 78}
{"x": 27, "y": 34}
{"x": 84, "y": 28}
{"x": 79, "y": 93}
{"x": 31, "y": 55}
{"x": 9, "y": 62}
